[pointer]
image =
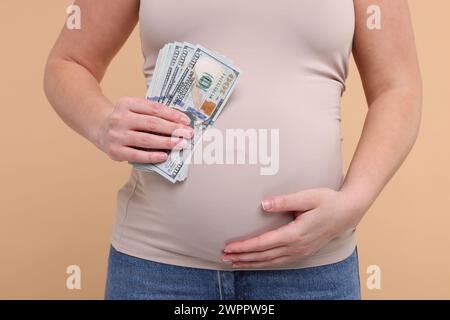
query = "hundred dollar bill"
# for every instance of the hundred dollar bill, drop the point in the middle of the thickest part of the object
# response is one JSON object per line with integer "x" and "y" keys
{"x": 183, "y": 59}
{"x": 200, "y": 90}
{"x": 169, "y": 68}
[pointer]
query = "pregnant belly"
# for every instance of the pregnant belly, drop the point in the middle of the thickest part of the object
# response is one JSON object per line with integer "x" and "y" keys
{"x": 220, "y": 203}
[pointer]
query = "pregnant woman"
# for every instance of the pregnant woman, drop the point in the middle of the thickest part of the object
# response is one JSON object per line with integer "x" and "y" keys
{"x": 228, "y": 232}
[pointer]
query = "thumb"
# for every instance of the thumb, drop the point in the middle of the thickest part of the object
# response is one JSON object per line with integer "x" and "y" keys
{"x": 300, "y": 201}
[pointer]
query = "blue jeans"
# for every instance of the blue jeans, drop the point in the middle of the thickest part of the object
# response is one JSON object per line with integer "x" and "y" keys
{"x": 134, "y": 278}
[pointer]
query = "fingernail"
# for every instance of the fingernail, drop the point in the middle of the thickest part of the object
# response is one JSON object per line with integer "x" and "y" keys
{"x": 227, "y": 251}
{"x": 185, "y": 120}
{"x": 185, "y": 132}
{"x": 226, "y": 259}
{"x": 266, "y": 204}
{"x": 164, "y": 156}
{"x": 182, "y": 144}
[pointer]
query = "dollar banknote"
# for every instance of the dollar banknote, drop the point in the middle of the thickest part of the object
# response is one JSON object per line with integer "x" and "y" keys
{"x": 197, "y": 82}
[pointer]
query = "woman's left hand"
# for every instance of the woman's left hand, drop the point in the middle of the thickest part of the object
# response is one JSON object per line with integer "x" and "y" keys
{"x": 320, "y": 215}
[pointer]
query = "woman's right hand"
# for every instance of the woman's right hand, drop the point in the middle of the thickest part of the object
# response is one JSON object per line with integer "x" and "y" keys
{"x": 139, "y": 123}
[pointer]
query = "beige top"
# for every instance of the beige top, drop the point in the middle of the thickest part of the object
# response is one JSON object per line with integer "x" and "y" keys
{"x": 294, "y": 56}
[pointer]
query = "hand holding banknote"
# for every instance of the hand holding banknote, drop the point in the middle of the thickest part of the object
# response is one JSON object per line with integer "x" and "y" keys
{"x": 142, "y": 131}
{"x": 197, "y": 82}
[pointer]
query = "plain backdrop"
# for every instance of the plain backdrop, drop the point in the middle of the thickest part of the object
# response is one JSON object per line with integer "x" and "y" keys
{"x": 58, "y": 192}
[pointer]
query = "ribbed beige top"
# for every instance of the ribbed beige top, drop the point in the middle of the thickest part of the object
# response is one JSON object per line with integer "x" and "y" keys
{"x": 294, "y": 57}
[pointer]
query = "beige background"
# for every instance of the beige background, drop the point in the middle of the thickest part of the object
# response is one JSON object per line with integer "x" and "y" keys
{"x": 58, "y": 192}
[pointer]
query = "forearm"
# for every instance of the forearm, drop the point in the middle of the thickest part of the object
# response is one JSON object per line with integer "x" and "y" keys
{"x": 389, "y": 132}
{"x": 76, "y": 96}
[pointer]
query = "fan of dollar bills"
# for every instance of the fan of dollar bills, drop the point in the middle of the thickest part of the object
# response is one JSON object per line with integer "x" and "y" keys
{"x": 196, "y": 81}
